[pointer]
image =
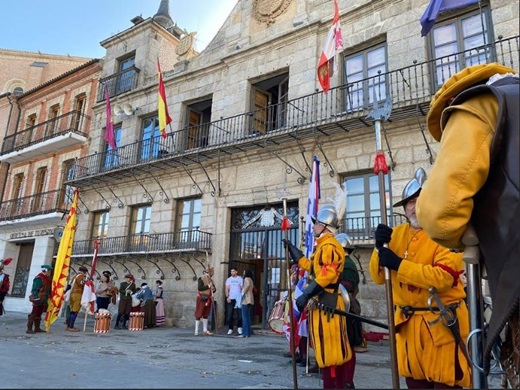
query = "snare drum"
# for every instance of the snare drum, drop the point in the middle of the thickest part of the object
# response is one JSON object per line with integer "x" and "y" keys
{"x": 276, "y": 318}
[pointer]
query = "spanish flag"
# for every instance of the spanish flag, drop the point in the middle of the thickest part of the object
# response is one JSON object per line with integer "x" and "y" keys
{"x": 61, "y": 268}
{"x": 164, "y": 117}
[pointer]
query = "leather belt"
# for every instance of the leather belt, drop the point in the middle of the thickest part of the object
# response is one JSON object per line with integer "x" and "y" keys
{"x": 409, "y": 310}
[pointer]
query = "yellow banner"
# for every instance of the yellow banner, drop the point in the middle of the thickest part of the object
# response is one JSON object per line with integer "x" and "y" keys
{"x": 61, "y": 268}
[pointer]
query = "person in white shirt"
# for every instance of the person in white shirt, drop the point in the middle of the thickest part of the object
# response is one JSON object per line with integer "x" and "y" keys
{"x": 233, "y": 301}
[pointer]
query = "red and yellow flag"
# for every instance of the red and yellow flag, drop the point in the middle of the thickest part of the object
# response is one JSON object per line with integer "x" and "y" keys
{"x": 164, "y": 117}
{"x": 61, "y": 268}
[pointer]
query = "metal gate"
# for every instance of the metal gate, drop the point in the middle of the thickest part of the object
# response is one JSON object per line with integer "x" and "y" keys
{"x": 256, "y": 243}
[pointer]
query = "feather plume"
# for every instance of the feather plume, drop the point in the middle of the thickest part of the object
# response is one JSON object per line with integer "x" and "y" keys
{"x": 340, "y": 201}
{"x": 6, "y": 261}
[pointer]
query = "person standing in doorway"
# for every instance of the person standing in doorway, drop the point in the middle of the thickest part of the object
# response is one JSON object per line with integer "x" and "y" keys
{"x": 40, "y": 292}
{"x": 234, "y": 285}
{"x": 248, "y": 302}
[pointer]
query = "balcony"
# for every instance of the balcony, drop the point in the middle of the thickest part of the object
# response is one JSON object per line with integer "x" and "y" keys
{"x": 46, "y": 207}
{"x": 345, "y": 108}
{"x": 47, "y": 137}
{"x": 119, "y": 83}
{"x": 361, "y": 230}
{"x": 148, "y": 244}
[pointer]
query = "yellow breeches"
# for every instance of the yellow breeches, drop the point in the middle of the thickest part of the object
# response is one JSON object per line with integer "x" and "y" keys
{"x": 426, "y": 351}
{"x": 329, "y": 337}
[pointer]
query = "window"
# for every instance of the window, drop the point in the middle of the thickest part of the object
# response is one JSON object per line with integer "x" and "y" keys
{"x": 39, "y": 196}
{"x": 188, "y": 220}
{"x": 67, "y": 193}
{"x": 79, "y": 108}
{"x": 140, "y": 228}
{"x": 31, "y": 121}
{"x": 100, "y": 225}
{"x": 269, "y": 104}
{"x": 199, "y": 117}
{"x": 52, "y": 122}
{"x": 16, "y": 202}
{"x": 458, "y": 43}
{"x": 150, "y": 141}
{"x": 365, "y": 73}
{"x": 112, "y": 157}
{"x": 363, "y": 212}
{"x": 18, "y": 91}
{"x": 126, "y": 75}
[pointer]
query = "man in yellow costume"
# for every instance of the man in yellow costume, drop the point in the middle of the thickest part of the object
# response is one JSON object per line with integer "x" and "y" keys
{"x": 429, "y": 355}
{"x": 328, "y": 331}
{"x": 475, "y": 179}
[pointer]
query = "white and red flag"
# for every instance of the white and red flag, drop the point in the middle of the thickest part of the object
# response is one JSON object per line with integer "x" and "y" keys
{"x": 333, "y": 45}
{"x": 88, "y": 298}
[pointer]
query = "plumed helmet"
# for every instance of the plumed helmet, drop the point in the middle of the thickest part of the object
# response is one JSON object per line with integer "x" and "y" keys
{"x": 344, "y": 240}
{"x": 413, "y": 187}
{"x": 327, "y": 216}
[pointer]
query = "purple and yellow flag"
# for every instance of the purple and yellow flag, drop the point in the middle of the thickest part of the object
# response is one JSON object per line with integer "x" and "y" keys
{"x": 62, "y": 266}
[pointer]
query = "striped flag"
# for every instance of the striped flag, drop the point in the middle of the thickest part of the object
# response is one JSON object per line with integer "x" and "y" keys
{"x": 312, "y": 206}
{"x": 333, "y": 45}
{"x": 61, "y": 268}
{"x": 109, "y": 127}
{"x": 164, "y": 117}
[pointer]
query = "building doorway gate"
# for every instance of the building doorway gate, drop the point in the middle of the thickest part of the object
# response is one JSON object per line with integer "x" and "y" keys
{"x": 256, "y": 243}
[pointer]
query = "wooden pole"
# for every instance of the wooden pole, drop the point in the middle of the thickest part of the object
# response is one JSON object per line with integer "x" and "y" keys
{"x": 290, "y": 298}
{"x": 388, "y": 280}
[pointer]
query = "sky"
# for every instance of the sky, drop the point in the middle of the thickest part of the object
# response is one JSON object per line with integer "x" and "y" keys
{"x": 76, "y": 27}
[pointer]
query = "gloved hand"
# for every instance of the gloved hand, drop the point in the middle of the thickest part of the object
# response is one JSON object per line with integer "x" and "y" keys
{"x": 312, "y": 289}
{"x": 295, "y": 253}
{"x": 383, "y": 235}
{"x": 388, "y": 259}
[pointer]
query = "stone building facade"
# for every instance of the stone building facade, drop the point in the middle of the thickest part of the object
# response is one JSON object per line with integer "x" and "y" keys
{"x": 248, "y": 116}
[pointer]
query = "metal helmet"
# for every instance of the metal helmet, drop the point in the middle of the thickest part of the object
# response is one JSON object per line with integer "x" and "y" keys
{"x": 413, "y": 187}
{"x": 344, "y": 241}
{"x": 327, "y": 216}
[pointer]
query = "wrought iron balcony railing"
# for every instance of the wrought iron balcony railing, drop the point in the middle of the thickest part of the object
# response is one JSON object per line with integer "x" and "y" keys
{"x": 361, "y": 230}
{"x": 118, "y": 83}
{"x": 43, "y": 203}
{"x": 342, "y": 109}
{"x": 184, "y": 241}
{"x": 74, "y": 121}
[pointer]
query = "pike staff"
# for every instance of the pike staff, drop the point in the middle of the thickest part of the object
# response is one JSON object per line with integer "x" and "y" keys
{"x": 380, "y": 169}
{"x": 285, "y": 228}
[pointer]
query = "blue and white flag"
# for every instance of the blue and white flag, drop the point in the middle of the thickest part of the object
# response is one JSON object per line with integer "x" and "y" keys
{"x": 312, "y": 206}
{"x": 435, "y": 7}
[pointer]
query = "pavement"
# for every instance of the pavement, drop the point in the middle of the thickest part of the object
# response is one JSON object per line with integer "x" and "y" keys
{"x": 162, "y": 358}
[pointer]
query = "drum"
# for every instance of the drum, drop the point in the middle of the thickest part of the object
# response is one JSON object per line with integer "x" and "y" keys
{"x": 276, "y": 318}
{"x": 102, "y": 322}
{"x": 136, "y": 321}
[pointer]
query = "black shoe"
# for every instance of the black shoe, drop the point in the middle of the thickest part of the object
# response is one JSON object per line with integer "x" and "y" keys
{"x": 349, "y": 385}
{"x": 125, "y": 327}
{"x": 300, "y": 359}
{"x": 117, "y": 327}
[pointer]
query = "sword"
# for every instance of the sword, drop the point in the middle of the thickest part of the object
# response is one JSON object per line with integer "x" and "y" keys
{"x": 449, "y": 319}
{"x": 331, "y": 311}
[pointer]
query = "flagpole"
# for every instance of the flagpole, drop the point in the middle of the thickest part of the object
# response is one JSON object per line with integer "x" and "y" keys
{"x": 285, "y": 229}
{"x": 380, "y": 167}
{"x": 90, "y": 282}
